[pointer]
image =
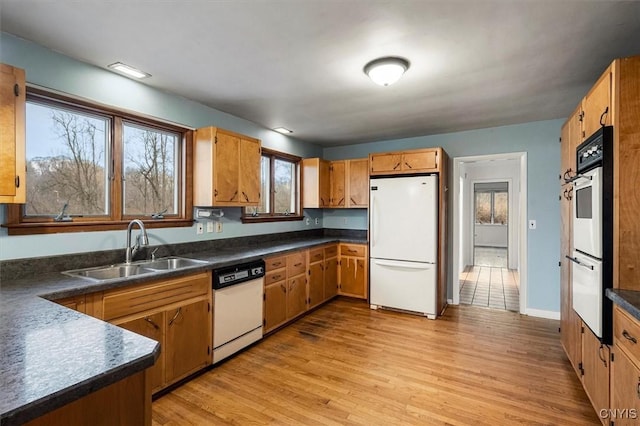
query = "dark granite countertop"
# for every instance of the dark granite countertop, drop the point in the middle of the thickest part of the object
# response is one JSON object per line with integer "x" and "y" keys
{"x": 629, "y": 300}
{"x": 52, "y": 355}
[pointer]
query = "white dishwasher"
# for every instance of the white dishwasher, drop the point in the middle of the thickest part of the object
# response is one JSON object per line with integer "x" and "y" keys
{"x": 237, "y": 307}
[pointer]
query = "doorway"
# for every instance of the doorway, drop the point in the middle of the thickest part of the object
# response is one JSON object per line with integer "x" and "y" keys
{"x": 489, "y": 255}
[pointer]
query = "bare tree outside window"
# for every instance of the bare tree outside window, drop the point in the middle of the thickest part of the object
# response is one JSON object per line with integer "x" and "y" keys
{"x": 66, "y": 161}
{"x": 149, "y": 171}
{"x": 284, "y": 176}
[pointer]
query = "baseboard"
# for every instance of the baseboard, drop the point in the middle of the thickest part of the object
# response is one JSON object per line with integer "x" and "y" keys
{"x": 449, "y": 301}
{"x": 543, "y": 314}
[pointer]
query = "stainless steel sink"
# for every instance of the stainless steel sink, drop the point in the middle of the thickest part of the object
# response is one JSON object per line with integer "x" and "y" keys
{"x": 123, "y": 270}
{"x": 170, "y": 263}
{"x": 109, "y": 272}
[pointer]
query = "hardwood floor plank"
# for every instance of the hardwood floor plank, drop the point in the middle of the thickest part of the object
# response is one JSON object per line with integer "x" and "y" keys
{"x": 347, "y": 364}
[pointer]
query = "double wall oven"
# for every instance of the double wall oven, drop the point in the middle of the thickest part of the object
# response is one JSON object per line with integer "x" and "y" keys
{"x": 593, "y": 233}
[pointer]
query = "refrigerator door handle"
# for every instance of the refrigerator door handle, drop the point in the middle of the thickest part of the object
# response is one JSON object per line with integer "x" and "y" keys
{"x": 405, "y": 265}
{"x": 373, "y": 221}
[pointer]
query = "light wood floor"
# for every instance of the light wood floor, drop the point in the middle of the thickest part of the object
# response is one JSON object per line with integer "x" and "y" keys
{"x": 347, "y": 364}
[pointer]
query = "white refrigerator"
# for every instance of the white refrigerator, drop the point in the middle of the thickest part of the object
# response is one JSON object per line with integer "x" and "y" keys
{"x": 403, "y": 235}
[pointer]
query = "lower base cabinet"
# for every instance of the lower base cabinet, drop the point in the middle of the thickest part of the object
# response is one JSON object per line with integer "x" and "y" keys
{"x": 625, "y": 370}
{"x": 353, "y": 279}
{"x": 595, "y": 370}
{"x": 151, "y": 326}
{"x": 125, "y": 403}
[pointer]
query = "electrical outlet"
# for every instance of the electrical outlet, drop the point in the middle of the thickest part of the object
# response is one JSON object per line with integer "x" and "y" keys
{"x": 307, "y": 221}
{"x": 345, "y": 220}
{"x": 218, "y": 227}
{"x": 199, "y": 228}
{"x": 209, "y": 227}
{"x": 317, "y": 221}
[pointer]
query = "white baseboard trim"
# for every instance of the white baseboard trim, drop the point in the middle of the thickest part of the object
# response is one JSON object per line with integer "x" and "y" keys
{"x": 449, "y": 301}
{"x": 543, "y": 314}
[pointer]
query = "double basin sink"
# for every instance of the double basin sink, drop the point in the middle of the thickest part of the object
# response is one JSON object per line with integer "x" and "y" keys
{"x": 123, "y": 270}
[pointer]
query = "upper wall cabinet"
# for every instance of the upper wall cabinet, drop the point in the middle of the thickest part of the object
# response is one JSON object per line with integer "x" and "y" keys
{"x": 226, "y": 170}
{"x": 335, "y": 184}
{"x": 316, "y": 189}
{"x": 12, "y": 135}
{"x": 414, "y": 161}
{"x": 596, "y": 105}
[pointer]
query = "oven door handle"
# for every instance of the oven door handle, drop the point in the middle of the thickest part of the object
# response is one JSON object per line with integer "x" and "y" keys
{"x": 579, "y": 176}
{"x": 575, "y": 260}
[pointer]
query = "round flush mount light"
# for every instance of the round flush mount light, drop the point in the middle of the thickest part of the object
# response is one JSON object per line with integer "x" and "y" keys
{"x": 387, "y": 70}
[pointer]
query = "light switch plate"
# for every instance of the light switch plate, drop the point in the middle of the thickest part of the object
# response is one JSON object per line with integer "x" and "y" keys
{"x": 209, "y": 227}
{"x": 218, "y": 226}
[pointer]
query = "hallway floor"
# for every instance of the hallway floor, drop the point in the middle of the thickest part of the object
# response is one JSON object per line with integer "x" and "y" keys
{"x": 492, "y": 287}
{"x": 490, "y": 256}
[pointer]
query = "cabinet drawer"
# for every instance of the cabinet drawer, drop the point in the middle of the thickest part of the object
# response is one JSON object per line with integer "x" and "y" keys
{"x": 352, "y": 250}
{"x": 626, "y": 331}
{"x": 273, "y": 263}
{"x": 296, "y": 263}
{"x": 274, "y": 276}
{"x": 149, "y": 296}
{"x": 316, "y": 255}
{"x": 331, "y": 251}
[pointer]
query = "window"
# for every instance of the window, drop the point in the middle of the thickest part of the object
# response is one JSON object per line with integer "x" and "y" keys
{"x": 279, "y": 193}
{"x": 491, "y": 204}
{"x": 89, "y": 166}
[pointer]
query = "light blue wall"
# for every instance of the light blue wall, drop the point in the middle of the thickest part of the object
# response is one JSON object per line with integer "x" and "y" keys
{"x": 540, "y": 141}
{"x": 52, "y": 70}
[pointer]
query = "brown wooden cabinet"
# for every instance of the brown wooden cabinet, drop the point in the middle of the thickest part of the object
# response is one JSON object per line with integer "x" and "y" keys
{"x": 570, "y": 322}
{"x": 353, "y": 280}
{"x": 358, "y": 183}
{"x": 316, "y": 189}
{"x": 226, "y": 168}
{"x": 187, "y": 341}
{"x": 175, "y": 312}
{"x": 404, "y": 162}
{"x": 296, "y": 283}
{"x": 335, "y": 184}
{"x": 77, "y": 303}
{"x": 330, "y": 271}
{"x": 596, "y": 105}
{"x": 337, "y": 179}
{"x": 625, "y": 370}
{"x": 316, "y": 277}
{"x": 595, "y": 369}
{"x": 12, "y": 135}
{"x": 275, "y": 293}
{"x": 151, "y": 326}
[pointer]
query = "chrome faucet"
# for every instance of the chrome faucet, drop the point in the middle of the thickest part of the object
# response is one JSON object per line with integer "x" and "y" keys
{"x": 141, "y": 239}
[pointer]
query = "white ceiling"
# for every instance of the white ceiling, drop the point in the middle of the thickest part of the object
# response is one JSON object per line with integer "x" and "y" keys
{"x": 298, "y": 63}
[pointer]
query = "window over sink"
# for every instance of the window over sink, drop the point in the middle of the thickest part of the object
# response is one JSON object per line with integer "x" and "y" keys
{"x": 90, "y": 167}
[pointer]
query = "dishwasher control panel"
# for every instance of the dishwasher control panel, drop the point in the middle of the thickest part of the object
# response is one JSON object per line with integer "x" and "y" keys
{"x": 236, "y": 274}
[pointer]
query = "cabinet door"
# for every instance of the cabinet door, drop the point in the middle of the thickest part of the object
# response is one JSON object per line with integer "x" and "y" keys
{"x": 385, "y": 163}
{"x": 597, "y": 105}
{"x": 625, "y": 392}
{"x": 296, "y": 296}
{"x": 595, "y": 364}
{"x": 188, "y": 339}
{"x": 358, "y": 183}
{"x": 225, "y": 169}
{"x": 275, "y": 305}
{"x": 12, "y": 135}
{"x": 352, "y": 277}
{"x": 337, "y": 174}
{"x": 151, "y": 326}
{"x": 250, "y": 157}
{"x": 330, "y": 277}
{"x": 316, "y": 283}
{"x": 316, "y": 189}
{"x": 419, "y": 161}
{"x": 77, "y": 303}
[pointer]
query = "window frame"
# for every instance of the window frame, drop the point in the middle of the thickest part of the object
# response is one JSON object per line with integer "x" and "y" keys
{"x": 18, "y": 224}
{"x": 492, "y": 204}
{"x": 248, "y": 217}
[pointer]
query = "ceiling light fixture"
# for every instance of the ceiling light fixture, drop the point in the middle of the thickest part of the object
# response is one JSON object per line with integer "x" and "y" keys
{"x": 282, "y": 130}
{"x": 386, "y": 71}
{"x": 129, "y": 70}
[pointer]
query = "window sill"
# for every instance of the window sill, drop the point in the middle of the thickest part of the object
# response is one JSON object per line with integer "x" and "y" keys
{"x": 261, "y": 219}
{"x": 27, "y": 228}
